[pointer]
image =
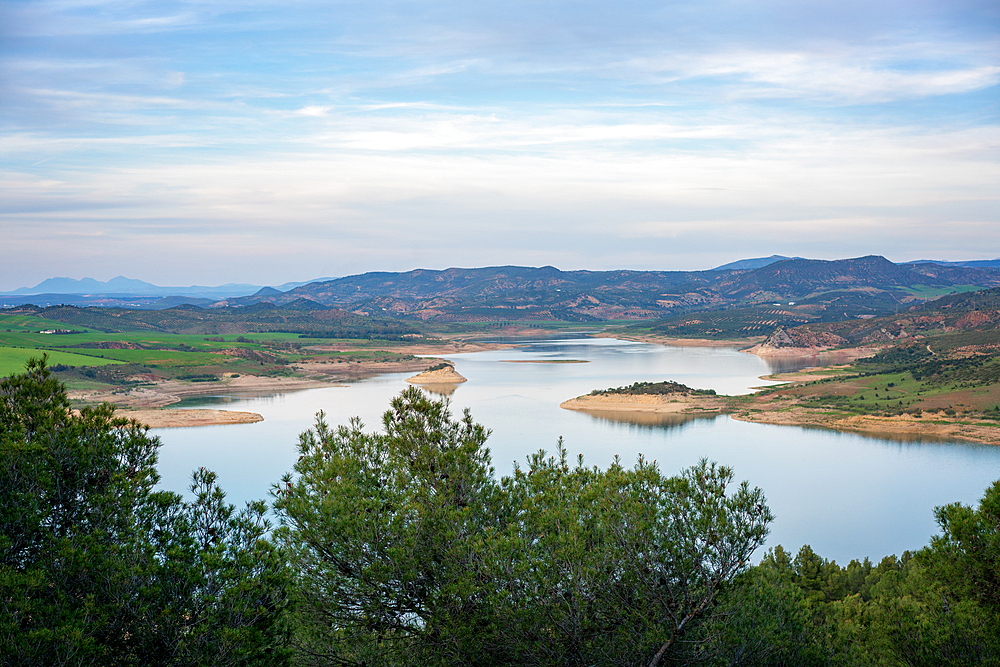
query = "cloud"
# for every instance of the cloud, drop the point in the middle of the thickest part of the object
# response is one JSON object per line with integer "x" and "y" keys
{"x": 396, "y": 134}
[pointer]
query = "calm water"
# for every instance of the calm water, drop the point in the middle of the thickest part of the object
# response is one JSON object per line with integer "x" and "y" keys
{"x": 847, "y": 495}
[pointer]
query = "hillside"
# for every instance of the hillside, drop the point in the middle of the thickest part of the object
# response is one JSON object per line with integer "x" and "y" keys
{"x": 865, "y": 285}
{"x": 972, "y": 317}
{"x": 301, "y": 316}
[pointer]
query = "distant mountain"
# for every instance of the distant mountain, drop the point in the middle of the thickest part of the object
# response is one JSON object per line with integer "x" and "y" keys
{"x": 976, "y": 263}
{"x": 121, "y": 285}
{"x": 522, "y": 293}
{"x": 755, "y": 263}
{"x": 859, "y": 287}
{"x": 287, "y": 286}
{"x": 117, "y": 285}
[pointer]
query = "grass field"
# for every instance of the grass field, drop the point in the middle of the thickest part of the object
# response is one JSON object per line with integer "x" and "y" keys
{"x": 895, "y": 393}
{"x": 12, "y": 359}
{"x": 928, "y": 292}
{"x": 168, "y": 355}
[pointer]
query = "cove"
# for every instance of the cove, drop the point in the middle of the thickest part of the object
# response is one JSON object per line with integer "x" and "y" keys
{"x": 847, "y": 495}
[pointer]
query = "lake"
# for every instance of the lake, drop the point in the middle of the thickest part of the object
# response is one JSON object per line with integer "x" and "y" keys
{"x": 847, "y": 495}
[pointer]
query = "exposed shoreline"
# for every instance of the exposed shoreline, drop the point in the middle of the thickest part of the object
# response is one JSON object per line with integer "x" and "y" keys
{"x": 738, "y": 343}
{"x": 895, "y": 426}
{"x": 148, "y": 403}
{"x": 175, "y": 418}
{"x": 743, "y": 409}
{"x": 655, "y": 403}
{"x": 446, "y": 375}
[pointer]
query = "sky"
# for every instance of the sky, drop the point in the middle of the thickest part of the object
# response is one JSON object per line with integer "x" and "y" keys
{"x": 262, "y": 142}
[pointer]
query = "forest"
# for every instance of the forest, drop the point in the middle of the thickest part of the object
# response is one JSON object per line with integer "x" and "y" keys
{"x": 401, "y": 547}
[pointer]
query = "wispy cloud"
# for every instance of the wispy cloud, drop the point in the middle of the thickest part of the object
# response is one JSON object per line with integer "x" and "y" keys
{"x": 392, "y": 134}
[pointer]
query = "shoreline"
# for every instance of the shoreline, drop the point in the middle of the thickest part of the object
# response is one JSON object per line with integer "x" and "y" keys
{"x": 647, "y": 403}
{"x": 899, "y": 425}
{"x": 177, "y": 418}
{"x": 742, "y": 409}
{"x": 149, "y": 403}
{"x": 738, "y": 343}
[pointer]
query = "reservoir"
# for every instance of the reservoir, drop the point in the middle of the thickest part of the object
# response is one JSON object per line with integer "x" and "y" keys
{"x": 846, "y": 495}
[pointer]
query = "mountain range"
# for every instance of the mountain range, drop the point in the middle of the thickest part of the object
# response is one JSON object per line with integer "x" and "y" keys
{"x": 121, "y": 285}
{"x": 546, "y": 293}
{"x": 859, "y": 287}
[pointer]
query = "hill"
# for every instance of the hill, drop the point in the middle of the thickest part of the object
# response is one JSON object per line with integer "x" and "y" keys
{"x": 865, "y": 285}
{"x": 959, "y": 320}
{"x": 302, "y": 317}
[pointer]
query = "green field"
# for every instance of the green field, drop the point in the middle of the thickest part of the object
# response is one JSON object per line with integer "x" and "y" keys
{"x": 928, "y": 292}
{"x": 12, "y": 359}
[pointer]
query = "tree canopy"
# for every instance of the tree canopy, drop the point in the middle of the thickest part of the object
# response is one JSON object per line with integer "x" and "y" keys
{"x": 98, "y": 567}
{"x": 407, "y": 548}
{"x": 401, "y": 547}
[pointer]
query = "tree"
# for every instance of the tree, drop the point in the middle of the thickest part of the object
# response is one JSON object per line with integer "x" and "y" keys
{"x": 383, "y": 532}
{"x": 409, "y": 552}
{"x": 96, "y": 567}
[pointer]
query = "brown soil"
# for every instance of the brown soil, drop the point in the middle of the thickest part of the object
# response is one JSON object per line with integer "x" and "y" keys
{"x": 355, "y": 370}
{"x": 780, "y": 410}
{"x": 809, "y": 374}
{"x": 900, "y": 425}
{"x": 155, "y": 418}
{"x": 447, "y": 346}
{"x": 685, "y": 342}
{"x": 442, "y": 376}
{"x": 821, "y": 356}
{"x": 656, "y": 403}
{"x": 167, "y": 392}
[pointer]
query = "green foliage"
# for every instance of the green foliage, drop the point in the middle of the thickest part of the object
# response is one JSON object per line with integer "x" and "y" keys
{"x": 408, "y": 551}
{"x": 936, "y": 607}
{"x": 13, "y": 359}
{"x": 439, "y": 367}
{"x": 657, "y": 388}
{"x": 382, "y": 530}
{"x": 301, "y": 317}
{"x": 935, "y": 370}
{"x": 98, "y": 568}
{"x": 401, "y": 548}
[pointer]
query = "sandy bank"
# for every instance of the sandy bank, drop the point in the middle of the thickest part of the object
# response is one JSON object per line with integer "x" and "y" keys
{"x": 154, "y": 418}
{"x": 442, "y": 376}
{"x": 168, "y": 392}
{"x": 447, "y": 346}
{"x": 823, "y": 356}
{"x": 684, "y": 342}
{"x": 905, "y": 426}
{"x": 356, "y": 370}
{"x": 655, "y": 403}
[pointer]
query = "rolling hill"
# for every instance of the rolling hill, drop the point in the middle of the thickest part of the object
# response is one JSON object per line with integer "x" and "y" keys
{"x": 525, "y": 293}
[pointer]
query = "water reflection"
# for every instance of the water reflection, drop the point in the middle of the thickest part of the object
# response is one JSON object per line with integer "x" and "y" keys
{"x": 895, "y": 436}
{"x": 793, "y": 363}
{"x": 649, "y": 420}
{"x": 444, "y": 389}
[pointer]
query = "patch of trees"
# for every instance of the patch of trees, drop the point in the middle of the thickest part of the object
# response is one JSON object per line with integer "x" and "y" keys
{"x": 98, "y": 567}
{"x": 936, "y": 370}
{"x": 656, "y": 388}
{"x": 439, "y": 367}
{"x": 401, "y": 547}
{"x": 409, "y": 551}
{"x": 363, "y": 332}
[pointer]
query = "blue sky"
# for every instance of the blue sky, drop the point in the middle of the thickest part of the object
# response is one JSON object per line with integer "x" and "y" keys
{"x": 194, "y": 142}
